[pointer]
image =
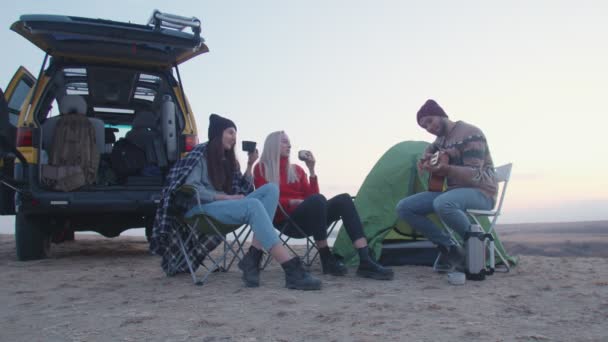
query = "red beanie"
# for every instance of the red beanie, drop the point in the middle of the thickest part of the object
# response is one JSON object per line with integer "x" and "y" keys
{"x": 430, "y": 108}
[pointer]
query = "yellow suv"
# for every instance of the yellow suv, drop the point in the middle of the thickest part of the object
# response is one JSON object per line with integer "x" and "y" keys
{"x": 87, "y": 144}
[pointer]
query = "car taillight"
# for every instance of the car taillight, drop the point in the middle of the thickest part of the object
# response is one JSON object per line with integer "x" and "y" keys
{"x": 24, "y": 137}
{"x": 190, "y": 140}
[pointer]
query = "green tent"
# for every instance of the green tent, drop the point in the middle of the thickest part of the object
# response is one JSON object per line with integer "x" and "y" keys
{"x": 394, "y": 177}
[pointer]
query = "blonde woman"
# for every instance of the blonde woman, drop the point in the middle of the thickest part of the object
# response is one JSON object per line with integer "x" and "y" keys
{"x": 299, "y": 196}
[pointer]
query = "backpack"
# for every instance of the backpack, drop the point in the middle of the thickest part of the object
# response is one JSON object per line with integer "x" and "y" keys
{"x": 127, "y": 159}
{"x": 74, "y": 144}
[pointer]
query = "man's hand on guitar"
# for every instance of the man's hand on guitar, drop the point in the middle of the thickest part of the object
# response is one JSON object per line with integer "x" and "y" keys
{"x": 423, "y": 162}
{"x": 441, "y": 168}
{"x": 438, "y": 166}
{"x": 436, "y": 163}
{"x": 421, "y": 165}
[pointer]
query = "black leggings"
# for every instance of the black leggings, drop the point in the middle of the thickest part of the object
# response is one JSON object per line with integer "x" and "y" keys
{"x": 316, "y": 213}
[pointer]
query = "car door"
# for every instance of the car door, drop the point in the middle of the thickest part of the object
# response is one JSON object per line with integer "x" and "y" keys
{"x": 15, "y": 94}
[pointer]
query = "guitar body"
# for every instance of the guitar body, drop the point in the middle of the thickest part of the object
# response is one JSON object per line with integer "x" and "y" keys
{"x": 436, "y": 181}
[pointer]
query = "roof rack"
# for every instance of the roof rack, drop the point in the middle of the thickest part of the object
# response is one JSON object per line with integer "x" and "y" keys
{"x": 176, "y": 22}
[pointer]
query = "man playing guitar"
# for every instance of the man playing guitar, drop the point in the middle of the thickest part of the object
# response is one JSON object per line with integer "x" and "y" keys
{"x": 465, "y": 160}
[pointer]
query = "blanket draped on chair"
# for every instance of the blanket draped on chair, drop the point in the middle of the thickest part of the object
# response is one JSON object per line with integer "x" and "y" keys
{"x": 164, "y": 240}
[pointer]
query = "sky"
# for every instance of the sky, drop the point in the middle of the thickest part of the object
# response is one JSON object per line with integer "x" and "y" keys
{"x": 345, "y": 79}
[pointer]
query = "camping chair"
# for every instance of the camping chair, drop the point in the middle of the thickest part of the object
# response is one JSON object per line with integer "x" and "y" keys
{"x": 503, "y": 174}
{"x": 194, "y": 224}
{"x": 308, "y": 257}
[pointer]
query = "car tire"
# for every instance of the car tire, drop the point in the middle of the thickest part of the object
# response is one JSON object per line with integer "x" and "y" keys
{"x": 32, "y": 243}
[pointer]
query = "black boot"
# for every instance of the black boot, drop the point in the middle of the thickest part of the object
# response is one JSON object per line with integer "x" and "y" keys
{"x": 455, "y": 256}
{"x": 369, "y": 268}
{"x": 443, "y": 264}
{"x": 250, "y": 265}
{"x": 296, "y": 277}
{"x": 330, "y": 264}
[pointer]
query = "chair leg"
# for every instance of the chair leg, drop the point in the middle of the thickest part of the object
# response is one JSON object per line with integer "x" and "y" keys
{"x": 436, "y": 262}
{"x": 310, "y": 246}
{"x": 237, "y": 252}
{"x": 232, "y": 250}
{"x": 307, "y": 254}
{"x": 329, "y": 232}
{"x": 266, "y": 262}
{"x": 228, "y": 247}
{"x": 239, "y": 240}
{"x": 308, "y": 257}
{"x": 492, "y": 255}
{"x": 504, "y": 260}
{"x": 189, "y": 263}
{"x": 493, "y": 250}
{"x": 216, "y": 263}
{"x": 284, "y": 241}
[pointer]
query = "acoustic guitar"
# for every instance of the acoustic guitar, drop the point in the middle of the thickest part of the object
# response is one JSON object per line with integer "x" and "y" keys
{"x": 436, "y": 181}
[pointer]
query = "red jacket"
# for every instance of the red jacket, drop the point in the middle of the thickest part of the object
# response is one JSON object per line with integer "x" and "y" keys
{"x": 288, "y": 191}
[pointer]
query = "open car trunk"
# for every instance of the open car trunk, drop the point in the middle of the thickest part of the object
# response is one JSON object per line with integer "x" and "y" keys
{"x": 128, "y": 128}
{"x": 106, "y": 40}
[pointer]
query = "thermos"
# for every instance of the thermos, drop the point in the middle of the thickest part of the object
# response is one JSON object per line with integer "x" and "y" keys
{"x": 475, "y": 245}
{"x": 168, "y": 127}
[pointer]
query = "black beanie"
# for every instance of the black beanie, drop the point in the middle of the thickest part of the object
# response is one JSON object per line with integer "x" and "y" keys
{"x": 217, "y": 125}
{"x": 430, "y": 108}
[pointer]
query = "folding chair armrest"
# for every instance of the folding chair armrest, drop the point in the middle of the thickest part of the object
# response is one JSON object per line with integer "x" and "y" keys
{"x": 482, "y": 212}
{"x": 186, "y": 188}
{"x": 191, "y": 191}
{"x": 182, "y": 199}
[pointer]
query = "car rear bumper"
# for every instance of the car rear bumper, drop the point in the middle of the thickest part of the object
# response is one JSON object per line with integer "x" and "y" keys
{"x": 95, "y": 202}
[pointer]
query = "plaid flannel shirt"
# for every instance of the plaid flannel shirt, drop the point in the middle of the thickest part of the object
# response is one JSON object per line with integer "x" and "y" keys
{"x": 167, "y": 228}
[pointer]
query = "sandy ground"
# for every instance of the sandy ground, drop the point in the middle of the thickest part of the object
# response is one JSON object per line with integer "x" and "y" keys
{"x": 98, "y": 289}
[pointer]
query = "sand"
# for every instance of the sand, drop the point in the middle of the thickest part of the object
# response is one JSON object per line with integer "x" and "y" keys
{"x": 98, "y": 289}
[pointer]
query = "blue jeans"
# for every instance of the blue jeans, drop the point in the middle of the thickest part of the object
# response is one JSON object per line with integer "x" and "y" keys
{"x": 257, "y": 210}
{"x": 450, "y": 206}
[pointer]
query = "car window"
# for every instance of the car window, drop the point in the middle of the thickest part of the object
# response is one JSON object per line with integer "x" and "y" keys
{"x": 146, "y": 90}
{"x": 14, "y": 106}
{"x": 122, "y": 130}
{"x": 76, "y": 79}
{"x": 53, "y": 109}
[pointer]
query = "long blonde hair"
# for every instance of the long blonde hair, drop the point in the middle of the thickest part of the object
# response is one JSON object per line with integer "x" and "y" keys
{"x": 271, "y": 160}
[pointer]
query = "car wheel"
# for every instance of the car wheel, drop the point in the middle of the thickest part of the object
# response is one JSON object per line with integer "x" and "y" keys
{"x": 31, "y": 241}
